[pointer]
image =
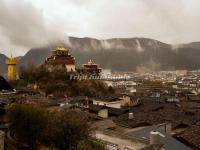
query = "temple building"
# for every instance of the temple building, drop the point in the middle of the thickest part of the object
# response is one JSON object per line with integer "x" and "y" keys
{"x": 11, "y": 68}
{"x": 61, "y": 58}
{"x": 91, "y": 67}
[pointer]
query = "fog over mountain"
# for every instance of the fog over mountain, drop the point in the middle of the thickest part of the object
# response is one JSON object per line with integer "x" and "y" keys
{"x": 33, "y": 23}
{"x": 26, "y": 26}
{"x": 123, "y": 54}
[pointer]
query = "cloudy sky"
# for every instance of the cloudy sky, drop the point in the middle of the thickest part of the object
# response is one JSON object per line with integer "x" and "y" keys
{"x": 32, "y": 23}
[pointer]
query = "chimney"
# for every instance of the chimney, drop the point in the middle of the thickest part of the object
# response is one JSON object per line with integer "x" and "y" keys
{"x": 154, "y": 138}
{"x": 130, "y": 116}
{"x": 168, "y": 128}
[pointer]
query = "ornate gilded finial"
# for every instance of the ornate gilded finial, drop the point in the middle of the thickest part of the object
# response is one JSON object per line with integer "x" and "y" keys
{"x": 61, "y": 47}
{"x": 90, "y": 61}
{"x": 11, "y": 56}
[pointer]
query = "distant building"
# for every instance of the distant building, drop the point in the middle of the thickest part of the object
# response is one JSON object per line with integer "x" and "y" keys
{"x": 61, "y": 58}
{"x": 11, "y": 71}
{"x": 117, "y": 101}
{"x": 105, "y": 73}
{"x": 91, "y": 67}
{"x": 159, "y": 137}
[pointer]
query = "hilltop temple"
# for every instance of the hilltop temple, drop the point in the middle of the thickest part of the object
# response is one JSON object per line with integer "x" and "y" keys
{"x": 91, "y": 67}
{"x": 61, "y": 58}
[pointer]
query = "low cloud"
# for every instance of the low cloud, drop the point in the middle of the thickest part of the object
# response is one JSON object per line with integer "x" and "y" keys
{"x": 148, "y": 66}
{"x": 23, "y": 26}
{"x": 31, "y": 23}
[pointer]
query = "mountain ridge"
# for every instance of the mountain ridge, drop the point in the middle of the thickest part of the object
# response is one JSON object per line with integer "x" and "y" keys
{"x": 124, "y": 54}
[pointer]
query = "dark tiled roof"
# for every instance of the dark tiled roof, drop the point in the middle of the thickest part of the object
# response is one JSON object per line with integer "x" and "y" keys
{"x": 155, "y": 113}
{"x": 95, "y": 108}
{"x": 116, "y": 111}
{"x": 111, "y": 111}
{"x": 109, "y": 98}
{"x": 191, "y": 136}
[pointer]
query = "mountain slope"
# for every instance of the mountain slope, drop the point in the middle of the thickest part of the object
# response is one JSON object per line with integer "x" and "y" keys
{"x": 124, "y": 54}
{"x": 119, "y": 54}
{"x": 35, "y": 56}
{"x": 2, "y": 65}
{"x": 137, "y": 44}
{"x": 195, "y": 45}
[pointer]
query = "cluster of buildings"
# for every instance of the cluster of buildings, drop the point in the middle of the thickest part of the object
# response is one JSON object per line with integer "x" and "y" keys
{"x": 161, "y": 105}
{"x": 59, "y": 59}
{"x": 160, "y": 116}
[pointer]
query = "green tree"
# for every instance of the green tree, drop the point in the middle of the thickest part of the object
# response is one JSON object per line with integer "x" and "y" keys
{"x": 65, "y": 130}
{"x": 28, "y": 74}
{"x": 57, "y": 82}
{"x": 90, "y": 145}
{"x": 27, "y": 124}
{"x": 111, "y": 90}
{"x": 18, "y": 83}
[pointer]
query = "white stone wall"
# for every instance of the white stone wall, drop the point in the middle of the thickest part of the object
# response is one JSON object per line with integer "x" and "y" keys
{"x": 70, "y": 68}
{"x": 103, "y": 113}
{"x": 116, "y": 104}
{"x": 125, "y": 100}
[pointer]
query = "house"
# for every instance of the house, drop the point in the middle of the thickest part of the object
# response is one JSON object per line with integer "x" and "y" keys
{"x": 79, "y": 101}
{"x": 129, "y": 100}
{"x": 109, "y": 83}
{"x": 131, "y": 89}
{"x": 100, "y": 110}
{"x": 105, "y": 112}
{"x": 146, "y": 138}
{"x": 158, "y": 137}
{"x": 109, "y": 101}
{"x": 193, "y": 84}
{"x": 171, "y": 99}
{"x": 117, "y": 101}
{"x": 175, "y": 86}
{"x": 118, "y": 141}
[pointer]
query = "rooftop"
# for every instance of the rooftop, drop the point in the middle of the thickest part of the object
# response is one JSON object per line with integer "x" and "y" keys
{"x": 168, "y": 142}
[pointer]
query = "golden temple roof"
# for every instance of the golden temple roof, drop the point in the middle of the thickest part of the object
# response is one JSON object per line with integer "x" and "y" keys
{"x": 11, "y": 60}
{"x": 90, "y": 63}
{"x": 61, "y": 47}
